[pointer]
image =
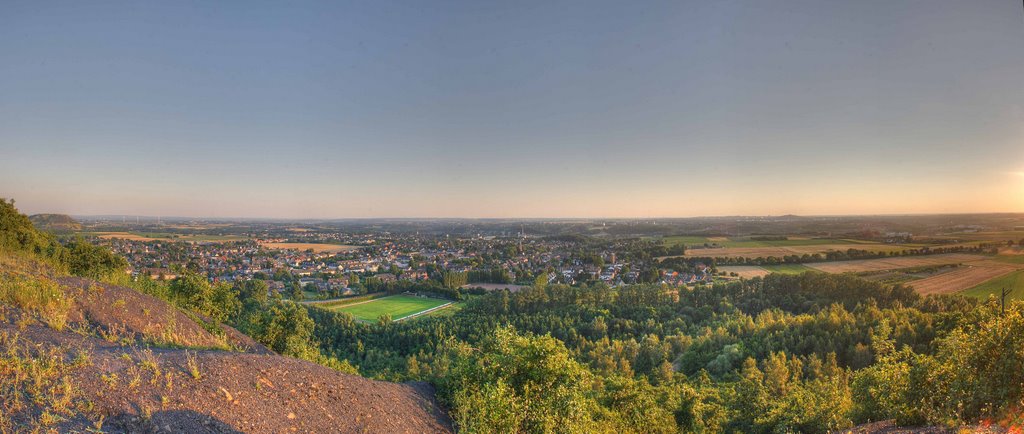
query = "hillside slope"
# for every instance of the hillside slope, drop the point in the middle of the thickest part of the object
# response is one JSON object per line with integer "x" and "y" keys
{"x": 55, "y": 222}
{"x": 77, "y": 354}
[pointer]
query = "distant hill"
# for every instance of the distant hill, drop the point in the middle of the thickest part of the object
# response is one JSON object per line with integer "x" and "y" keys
{"x": 55, "y": 222}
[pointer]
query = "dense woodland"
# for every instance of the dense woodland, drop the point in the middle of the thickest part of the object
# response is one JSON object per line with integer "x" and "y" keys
{"x": 805, "y": 353}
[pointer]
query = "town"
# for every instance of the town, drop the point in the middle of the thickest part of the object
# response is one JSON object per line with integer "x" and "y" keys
{"x": 323, "y": 263}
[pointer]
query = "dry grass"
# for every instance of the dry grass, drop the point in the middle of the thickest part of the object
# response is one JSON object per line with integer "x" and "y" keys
{"x": 745, "y": 271}
{"x": 39, "y": 296}
{"x": 317, "y": 247}
{"x": 37, "y": 388}
{"x": 193, "y": 365}
{"x": 126, "y": 236}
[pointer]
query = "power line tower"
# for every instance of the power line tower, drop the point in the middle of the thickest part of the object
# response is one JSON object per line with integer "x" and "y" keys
{"x": 1002, "y": 300}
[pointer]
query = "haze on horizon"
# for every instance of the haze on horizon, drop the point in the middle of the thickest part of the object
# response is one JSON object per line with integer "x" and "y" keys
{"x": 521, "y": 109}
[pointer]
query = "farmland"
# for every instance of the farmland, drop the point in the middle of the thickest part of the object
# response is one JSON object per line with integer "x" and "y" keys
{"x": 904, "y": 275}
{"x": 751, "y": 271}
{"x": 398, "y": 306}
{"x": 779, "y": 251}
{"x": 729, "y": 242}
{"x": 317, "y": 247}
{"x": 1013, "y": 281}
{"x": 165, "y": 236}
{"x": 895, "y": 263}
{"x": 787, "y": 268}
{"x": 986, "y": 236}
{"x": 976, "y": 275}
{"x": 744, "y": 271}
{"x": 965, "y": 277}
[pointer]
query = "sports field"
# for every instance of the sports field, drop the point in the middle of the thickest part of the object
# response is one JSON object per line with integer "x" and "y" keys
{"x": 398, "y": 306}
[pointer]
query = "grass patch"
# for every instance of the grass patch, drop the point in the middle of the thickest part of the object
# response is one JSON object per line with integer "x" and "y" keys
{"x": 333, "y": 304}
{"x": 1010, "y": 259}
{"x": 787, "y": 268}
{"x": 39, "y": 296}
{"x": 446, "y": 312}
{"x": 165, "y": 236}
{"x": 398, "y": 306}
{"x": 1013, "y": 281}
{"x": 36, "y": 385}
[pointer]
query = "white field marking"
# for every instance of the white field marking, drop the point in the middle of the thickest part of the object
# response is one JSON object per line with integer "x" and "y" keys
{"x": 425, "y": 311}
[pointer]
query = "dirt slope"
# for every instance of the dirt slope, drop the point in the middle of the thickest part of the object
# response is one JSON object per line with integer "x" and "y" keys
{"x": 102, "y": 371}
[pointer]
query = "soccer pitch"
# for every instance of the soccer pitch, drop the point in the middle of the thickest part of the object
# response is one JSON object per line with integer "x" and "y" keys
{"x": 399, "y": 306}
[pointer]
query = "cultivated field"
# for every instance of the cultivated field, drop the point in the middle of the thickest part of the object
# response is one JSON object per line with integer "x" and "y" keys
{"x": 398, "y": 306}
{"x": 751, "y": 271}
{"x": 162, "y": 236}
{"x": 968, "y": 276}
{"x": 986, "y": 236}
{"x": 745, "y": 271}
{"x": 727, "y": 242}
{"x": 787, "y": 268}
{"x": 123, "y": 236}
{"x": 778, "y": 251}
{"x": 1013, "y": 281}
{"x": 317, "y": 247}
{"x": 895, "y": 263}
{"x": 978, "y": 275}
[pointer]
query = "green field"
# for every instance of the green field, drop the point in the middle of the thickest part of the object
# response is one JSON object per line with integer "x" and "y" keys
{"x": 1010, "y": 259}
{"x": 747, "y": 242}
{"x": 1013, "y": 281}
{"x": 398, "y": 306}
{"x": 787, "y": 268}
{"x": 155, "y": 236}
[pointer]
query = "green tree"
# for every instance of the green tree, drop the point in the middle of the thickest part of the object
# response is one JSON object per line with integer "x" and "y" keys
{"x": 94, "y": 262}
{"x": 517, "y": 383}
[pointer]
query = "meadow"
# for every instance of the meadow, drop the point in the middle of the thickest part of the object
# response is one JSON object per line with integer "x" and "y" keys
{"x": 1013, "y": 281}
{"x": 398, "y": 306}
{"x": 787, "y": 268}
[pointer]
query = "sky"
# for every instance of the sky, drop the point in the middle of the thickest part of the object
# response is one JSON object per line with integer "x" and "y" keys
{"x": 512, "y": 109}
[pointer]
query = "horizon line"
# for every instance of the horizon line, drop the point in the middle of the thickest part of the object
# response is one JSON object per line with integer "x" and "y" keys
{"x": 180, "y": 217}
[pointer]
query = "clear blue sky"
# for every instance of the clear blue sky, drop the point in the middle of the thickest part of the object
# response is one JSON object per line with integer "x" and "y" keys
{"x": 492, "y": 109}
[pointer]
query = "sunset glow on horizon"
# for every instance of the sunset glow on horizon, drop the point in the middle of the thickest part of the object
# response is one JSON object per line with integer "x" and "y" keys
{"x": 463, "y": 109}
